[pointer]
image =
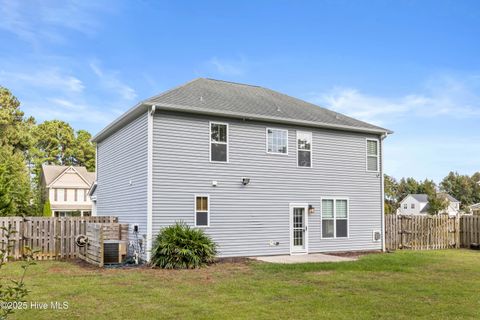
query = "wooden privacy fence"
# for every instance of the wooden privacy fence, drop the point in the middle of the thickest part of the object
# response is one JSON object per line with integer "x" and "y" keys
{"x": 421, "y": 232}
{"x": 469, "y": 230}
{"x": 54, "y": 238}
{"x": 431, "y": 232}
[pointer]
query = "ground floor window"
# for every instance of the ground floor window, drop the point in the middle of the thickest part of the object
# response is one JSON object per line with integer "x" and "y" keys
{"x": 202, "y": 211}
{"x": 335, "y": 218}
{"x": 67, "y": 214}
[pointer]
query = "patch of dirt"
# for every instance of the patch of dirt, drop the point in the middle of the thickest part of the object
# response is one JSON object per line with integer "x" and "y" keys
{"x": 321, "y": 273}
{"x": 353, "y": 254}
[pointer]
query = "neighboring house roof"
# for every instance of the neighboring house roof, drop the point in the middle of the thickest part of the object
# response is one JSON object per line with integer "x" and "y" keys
{"x": 52, "y": 172}
{"x": 419, "y": 197}
{"x": 449, "y": 197}
{"x": 222, "y": 98}
{"x": 475, "y": 206}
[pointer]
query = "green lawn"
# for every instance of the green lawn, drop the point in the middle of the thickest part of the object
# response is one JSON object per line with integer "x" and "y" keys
{"x": 402, "y": 285}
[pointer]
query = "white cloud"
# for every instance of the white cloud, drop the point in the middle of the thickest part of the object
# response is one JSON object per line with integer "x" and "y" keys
{"x": 74, "y": 111}
{"x": 235, "y": 67}
{"x": 35, "y": 21}
{"x": 110, "y": 80}
{"x": 440, "y": 96}
{"x": 51, "y": 79}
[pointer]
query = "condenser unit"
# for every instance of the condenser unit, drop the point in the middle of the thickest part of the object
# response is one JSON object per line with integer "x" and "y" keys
{"x": 114, "y": 251}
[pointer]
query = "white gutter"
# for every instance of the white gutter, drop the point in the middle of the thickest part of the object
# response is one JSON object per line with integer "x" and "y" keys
{"x": 382, "y": 181}
{"x": 151, "y": 112}
{"x": 143, "y": 106}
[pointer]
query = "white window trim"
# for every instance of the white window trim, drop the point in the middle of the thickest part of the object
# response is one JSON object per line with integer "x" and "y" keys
{"x": 311, "y": 149}
{"x": 335, "y": 217}
{"x": 210, "y": 141}
{"x": 367, "y": 155}
{"x": 195, "y": 210}
{"x": 266, "y": 141}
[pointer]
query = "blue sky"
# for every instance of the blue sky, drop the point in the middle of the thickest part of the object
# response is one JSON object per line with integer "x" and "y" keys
{"x": 410, "y": 66}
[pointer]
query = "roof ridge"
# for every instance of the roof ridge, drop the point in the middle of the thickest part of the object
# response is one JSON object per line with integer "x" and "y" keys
{"x": 233, "y": 82}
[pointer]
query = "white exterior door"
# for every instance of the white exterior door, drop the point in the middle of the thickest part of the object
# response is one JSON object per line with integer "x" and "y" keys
{"x": 298, "y": 228}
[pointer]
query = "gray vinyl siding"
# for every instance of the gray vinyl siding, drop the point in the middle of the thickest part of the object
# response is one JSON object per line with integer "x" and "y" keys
{"x": 244, "y": 219}
{"x": 122, "y": 174}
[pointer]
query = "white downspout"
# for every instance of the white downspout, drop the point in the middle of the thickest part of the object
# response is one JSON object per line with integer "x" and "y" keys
{"x": 382, "y": 178}
{"x": 149, "y": 239}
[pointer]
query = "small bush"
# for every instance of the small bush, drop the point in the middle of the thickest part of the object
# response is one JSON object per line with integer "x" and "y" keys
{"x": 181, "y": 247}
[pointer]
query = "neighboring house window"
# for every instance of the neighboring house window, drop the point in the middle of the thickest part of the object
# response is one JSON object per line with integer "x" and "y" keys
{"x": 334, "y": 218}
{"x": 55, "y": 194}
{"x": 413, "y": 206}
{"x": 372, "y": 155}
{"x": 277, "y": 141}
{"x": 218, "y": 142}
{"x": 202, "y": 211}
{"x": 76, "y": 195}
{"x": 405, "y": 206}
{"x": 65, "y": 191}
{"x": 304, "y": 146}
{"x": 85, "y": 193}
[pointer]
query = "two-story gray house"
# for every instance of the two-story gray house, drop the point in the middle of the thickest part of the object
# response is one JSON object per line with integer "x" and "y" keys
{"x": 261, "y": 172}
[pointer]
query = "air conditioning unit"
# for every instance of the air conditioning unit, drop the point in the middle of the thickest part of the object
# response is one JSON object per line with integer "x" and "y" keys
{"x": 376, "y": 236}
{"x": 114, "y": 251}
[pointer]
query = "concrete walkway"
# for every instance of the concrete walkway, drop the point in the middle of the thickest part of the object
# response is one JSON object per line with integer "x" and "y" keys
{"x": 303, "y": 258}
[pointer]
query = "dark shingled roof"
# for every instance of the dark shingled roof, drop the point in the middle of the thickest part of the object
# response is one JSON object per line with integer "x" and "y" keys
{"x": 229, "y": 97}
{"x": 243, "y": 101}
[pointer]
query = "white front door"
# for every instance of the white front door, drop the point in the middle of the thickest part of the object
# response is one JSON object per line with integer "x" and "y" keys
{"x": 298, "y": 228}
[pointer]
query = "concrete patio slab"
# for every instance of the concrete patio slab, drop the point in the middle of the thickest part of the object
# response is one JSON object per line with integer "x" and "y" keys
{"x": 304, "y": 258}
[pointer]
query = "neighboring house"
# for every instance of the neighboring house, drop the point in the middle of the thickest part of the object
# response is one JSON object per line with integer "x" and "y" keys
{"x": 417, "y": 204}
{"x": 262, "y": 173}
{"x": 475, "y": 209}
{"x": 66, "y": 187}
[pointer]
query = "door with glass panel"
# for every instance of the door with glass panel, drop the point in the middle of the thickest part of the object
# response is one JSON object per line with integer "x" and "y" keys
{"x": 299, "y": 228}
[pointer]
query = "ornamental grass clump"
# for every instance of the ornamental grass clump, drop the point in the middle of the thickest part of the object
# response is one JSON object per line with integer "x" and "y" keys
{"x": 181, "y": 247}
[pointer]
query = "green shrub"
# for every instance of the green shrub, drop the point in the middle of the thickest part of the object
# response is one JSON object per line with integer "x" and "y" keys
{"x": 181, "y": 247}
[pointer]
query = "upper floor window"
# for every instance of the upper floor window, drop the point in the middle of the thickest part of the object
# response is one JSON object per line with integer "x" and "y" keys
{"x": 372, "y": 155}
{"x": 413, "y": 206}
{"x": 202, "y": 211}
{"x": 85, "y": 193}
{"x": 405, "y": 206}
{"x": 304, "y": 149}
{"x": 218, "y": 142}
{"x": 65, "y": 195}
{"x": 55, "y": 194}
{"x": 277, "y": 141}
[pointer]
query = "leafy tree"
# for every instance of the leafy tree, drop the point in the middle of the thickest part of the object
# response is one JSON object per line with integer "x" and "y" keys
{"x": 437, "y": 203}
{"x": 84, "y": 150}
{"x": 55, "y": 143}
{"x": 391, "y": 190}
{"x": 15, "y": 186}
{"x": 47, "y": 209}
{"x": 14, "y": 128}
{"x": 462, "y": 187}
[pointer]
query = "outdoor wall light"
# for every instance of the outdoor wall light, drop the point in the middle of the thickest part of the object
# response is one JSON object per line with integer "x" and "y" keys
{"x": 311, "y": 209}
{"x": 245, "y": 181}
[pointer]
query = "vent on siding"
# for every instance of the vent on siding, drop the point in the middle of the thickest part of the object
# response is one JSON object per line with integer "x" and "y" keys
{"x": 376, "y": 236}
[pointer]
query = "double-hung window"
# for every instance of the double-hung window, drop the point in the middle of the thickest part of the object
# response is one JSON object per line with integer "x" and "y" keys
{"x": 304, "y": 149}
{"x": 218, "y": 142}
{"x": 277, "y": 141}
{"x": 334, "y": 218}
{"x": 202, "y": 211}
{"x": 372, "y": 155}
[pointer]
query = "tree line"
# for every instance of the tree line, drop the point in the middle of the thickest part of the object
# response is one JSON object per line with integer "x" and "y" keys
{"x": 464, "y": 188}
{"x": 25, "y": 146}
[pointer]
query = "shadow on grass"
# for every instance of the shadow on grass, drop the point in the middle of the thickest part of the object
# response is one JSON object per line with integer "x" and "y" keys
{"x": 400, "y": 261}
